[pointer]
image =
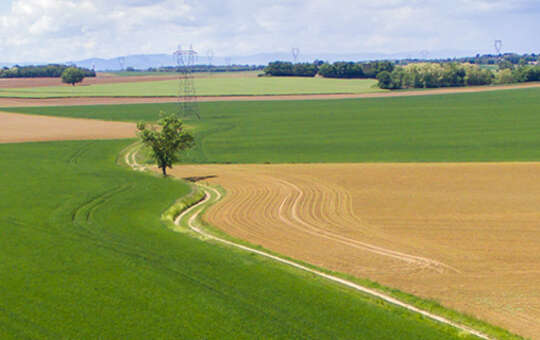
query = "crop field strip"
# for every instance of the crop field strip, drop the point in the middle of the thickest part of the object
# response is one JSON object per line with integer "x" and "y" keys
{"x": 489, "y": 126}
{"x": 472, "y": 227}
{"x": 15, "y": 128}
{"x": 22, "y": 83}
{"x": 91, "y": 259}
{"x": 215, "y": 86}
{"x": 80, "y": 101}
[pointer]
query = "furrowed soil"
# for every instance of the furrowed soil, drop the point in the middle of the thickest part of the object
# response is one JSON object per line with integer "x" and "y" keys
{"x": 16, "y": 128}
{"x": 467, "y": 235}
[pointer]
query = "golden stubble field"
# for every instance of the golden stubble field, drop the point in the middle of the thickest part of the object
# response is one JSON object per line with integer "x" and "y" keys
{"x": 18, "y": 128}
{"x": 467, "y": 235}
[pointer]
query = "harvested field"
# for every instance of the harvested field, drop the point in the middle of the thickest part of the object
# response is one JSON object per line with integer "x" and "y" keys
{"x": 73, "y": 101}
{"x": 16, "y": 128}
{"x": 467, "y": 235}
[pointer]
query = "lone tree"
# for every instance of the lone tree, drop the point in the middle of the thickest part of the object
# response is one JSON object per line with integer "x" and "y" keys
{"x": 167, "y": 141}
{"x": 72, "y": 75}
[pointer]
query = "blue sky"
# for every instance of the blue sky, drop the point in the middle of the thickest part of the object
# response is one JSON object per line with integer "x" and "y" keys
{"x": 5, "y": 5}
{"x": 62, "y": 30}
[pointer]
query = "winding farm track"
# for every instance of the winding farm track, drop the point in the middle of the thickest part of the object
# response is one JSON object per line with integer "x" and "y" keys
{"x": 192, "y": 215}
{"x": 73, "y": 101}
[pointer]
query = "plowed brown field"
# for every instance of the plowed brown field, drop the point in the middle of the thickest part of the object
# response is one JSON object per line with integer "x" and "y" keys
{"x": 16, "y": 128}
{"x": 467, "y": 235}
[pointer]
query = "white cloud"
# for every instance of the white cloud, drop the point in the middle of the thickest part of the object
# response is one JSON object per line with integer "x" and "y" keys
{"x": 74, "y": 29}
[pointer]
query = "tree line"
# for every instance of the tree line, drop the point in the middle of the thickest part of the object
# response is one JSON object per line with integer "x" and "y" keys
{"x": 40, "y": 71}
{"x": 435, "y": 75}
{"x": 484, "y": 59}
{"x": 340, "y": 69}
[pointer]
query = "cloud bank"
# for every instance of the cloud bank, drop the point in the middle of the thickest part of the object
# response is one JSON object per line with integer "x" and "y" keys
{"x": 62, "y": 30}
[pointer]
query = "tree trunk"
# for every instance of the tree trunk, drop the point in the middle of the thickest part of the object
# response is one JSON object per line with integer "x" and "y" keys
{"x": 164, "y": 170}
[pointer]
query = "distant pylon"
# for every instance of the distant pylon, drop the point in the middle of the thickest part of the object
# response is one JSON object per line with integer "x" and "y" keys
{"x": 498, "y": 46}
{"x": 295, "y": 53}
{"x": 187, "y": 97}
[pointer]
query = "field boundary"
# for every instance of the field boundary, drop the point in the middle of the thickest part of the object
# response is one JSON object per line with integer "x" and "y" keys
{"x": 208, "y": 199}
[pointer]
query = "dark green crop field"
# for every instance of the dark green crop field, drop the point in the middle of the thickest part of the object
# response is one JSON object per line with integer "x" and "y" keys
{"x": 488, "y": 126}
{"x": 83, "y": 255}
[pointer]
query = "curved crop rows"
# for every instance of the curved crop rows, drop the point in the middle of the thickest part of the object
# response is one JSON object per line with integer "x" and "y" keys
{"x": 442, "y": 231}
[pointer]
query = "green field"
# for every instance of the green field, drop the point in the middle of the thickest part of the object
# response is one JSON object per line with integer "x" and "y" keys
{"x": 211, "y": 86}
{"x": 231, "y": 74}
{"x": 488, "y": 126}
{"x": 85, "y": 256}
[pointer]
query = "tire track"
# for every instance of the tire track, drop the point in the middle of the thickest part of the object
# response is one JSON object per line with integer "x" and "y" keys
{"x": 313, "y": 230}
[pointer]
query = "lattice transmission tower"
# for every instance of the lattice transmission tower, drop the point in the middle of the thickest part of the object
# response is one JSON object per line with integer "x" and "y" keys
{"x": 498, "y": 44}
{"x": 187, "y": 96}
{"x": 295, "y": 51}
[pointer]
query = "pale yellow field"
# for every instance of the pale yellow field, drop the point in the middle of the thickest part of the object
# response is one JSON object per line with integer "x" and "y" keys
{"x": 17, "y": 128}
{"x": 467, "y": 235}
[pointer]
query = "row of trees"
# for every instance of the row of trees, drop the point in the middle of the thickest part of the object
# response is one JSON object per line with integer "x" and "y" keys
{"x": 494, "y": 59}
{"x": 288, "y": 69}
{"x": 484, "y": 59}
{"x": 431, "y": 75}
{"x": 40, "y": 71}
{"x": 340, "y": 69}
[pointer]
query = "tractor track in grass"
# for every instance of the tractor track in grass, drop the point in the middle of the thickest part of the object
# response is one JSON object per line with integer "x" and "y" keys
{"x": 212, "y": 196}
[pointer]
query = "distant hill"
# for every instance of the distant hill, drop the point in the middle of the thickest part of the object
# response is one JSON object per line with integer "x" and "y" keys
{"x": 145, "y": 61}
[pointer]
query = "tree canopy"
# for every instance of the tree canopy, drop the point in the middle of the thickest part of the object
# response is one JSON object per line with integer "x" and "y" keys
{"x": 167, "y": 141}
{"x": 72, "y": 75}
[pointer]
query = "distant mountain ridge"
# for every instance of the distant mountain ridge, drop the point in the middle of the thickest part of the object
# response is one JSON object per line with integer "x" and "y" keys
{"x": 145, "y": 61}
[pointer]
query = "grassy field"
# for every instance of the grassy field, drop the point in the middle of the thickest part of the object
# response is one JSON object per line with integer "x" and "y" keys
{"x": 489, "y": 126}
{"x": 85, "y": 256}
{"x": 251, "y": 74}
{"x": 210, "y": 86}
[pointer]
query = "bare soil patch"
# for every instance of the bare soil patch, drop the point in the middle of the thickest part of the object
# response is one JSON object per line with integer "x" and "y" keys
{"x": 467, "y": 235}
{"x": 16, "y": 128}
{"x": 20, "y": 102}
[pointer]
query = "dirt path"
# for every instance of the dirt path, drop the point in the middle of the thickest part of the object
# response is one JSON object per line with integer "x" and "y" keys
{"x": 19, "y": 102}
{"x": 212, "y": 196}
{"x": 17, "y": 128}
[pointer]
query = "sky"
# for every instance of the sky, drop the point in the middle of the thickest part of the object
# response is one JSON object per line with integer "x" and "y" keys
{"x": 64, "y": 30}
